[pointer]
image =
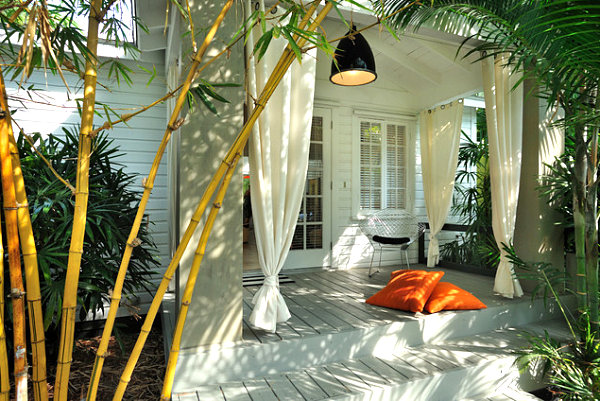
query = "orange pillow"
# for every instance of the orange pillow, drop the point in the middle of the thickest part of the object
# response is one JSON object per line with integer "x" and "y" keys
{"x": 409, "y": 290}
{"x": 447, "y": 296}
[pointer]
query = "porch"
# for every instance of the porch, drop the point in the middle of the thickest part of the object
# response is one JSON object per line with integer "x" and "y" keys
{"x": 337, "y": 346}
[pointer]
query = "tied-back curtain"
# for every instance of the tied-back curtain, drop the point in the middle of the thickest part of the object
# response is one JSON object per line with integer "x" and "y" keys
{"x": 504, "y": 115}
{"x": 278, "y": 155}
{"x": 440, "y": 140}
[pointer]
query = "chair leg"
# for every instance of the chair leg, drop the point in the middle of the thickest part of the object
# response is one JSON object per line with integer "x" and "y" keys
{"x": 379, "y": 265}
{"x": 407, "y": 262}
{"x": 371, "y": 264}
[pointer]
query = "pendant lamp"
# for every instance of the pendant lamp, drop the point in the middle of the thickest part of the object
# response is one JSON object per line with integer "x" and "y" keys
{"x": 355, "y": 62}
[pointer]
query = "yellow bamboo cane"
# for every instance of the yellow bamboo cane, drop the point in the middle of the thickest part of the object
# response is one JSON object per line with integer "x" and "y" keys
{"x": 149, "y": 183}
{"x": 32, "y": 279}
{"x": 191, "y": 282}
{"x": 67, "y": 326}
{"x": 4, "y": 372}
{"x": 279, "y": 71}
{"x": 14, "y": 257}
{"x": 32, "y": 282}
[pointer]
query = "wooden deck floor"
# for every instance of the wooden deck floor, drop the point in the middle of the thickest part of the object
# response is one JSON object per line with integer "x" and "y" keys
{"x": 335, "y": 346}
{"x": 331, "y": 301}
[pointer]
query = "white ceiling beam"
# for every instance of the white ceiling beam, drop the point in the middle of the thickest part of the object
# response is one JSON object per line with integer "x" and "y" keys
{"x": 445, "y": 52}
{"x": 396, "y": 54}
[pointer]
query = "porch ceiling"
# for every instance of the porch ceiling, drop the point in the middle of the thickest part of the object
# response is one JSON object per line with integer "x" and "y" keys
{"x": 427, "y": 68}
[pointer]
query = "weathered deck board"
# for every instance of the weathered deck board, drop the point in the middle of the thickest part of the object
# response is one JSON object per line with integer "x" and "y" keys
{"x": 351, "y": 381}
{"x": 367, "y": 374}
{"x": 324, "y": 379}
{"x": 259, "y": 390}
{"x": 306, "y": 386}
{"x": 235, "y": 392}
{"x": 209, "y": 393}
{"x": 383, "y": 369}
{"x": 406, "y": 369}
{"x": 187, "y": 397}
{"x": 431, "y": 355}
{"x": 283, "y": 388}
{"x": 346, "y": 303}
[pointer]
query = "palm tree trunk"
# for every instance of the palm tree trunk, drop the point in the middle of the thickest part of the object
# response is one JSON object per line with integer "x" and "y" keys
{"x": 236, "y": 148}
{"x": 149, "y": 183}
{"x": 67, "y": 326}
{"x": 32, "y": 279}
{"x": 579, "y": 219}
{"x": 14, "y": 257}
{"x": 592, "y": 226}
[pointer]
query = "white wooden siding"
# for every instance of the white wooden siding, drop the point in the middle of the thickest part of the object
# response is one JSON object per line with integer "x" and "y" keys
{"x": 138, "y": 140}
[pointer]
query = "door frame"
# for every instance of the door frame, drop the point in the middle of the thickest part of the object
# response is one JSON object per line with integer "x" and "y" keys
{"x": 298, "y": 259}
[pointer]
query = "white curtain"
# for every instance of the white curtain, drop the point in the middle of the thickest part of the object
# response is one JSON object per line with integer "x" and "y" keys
{"x": 440, "y": 140}
{"x": 278, "y": 153}
{"x": 504, "y": 114}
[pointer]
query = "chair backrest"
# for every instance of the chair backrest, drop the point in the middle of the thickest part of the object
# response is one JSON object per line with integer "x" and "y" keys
{"x": 390, "y": 223}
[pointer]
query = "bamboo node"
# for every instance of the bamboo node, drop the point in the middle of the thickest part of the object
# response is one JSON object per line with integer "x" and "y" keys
{"x": 11, "y": 208}
{"x": 16, "y": 293}
{"x": 23, "y": 205}
{"x": 20, "y": 353}
{"x": 185, "y": 303}
{"x": 2, "y": 114}
{"x": 135, "y": 242}
{"x": 217, "y": 205}
{"x": 176, "y": 125}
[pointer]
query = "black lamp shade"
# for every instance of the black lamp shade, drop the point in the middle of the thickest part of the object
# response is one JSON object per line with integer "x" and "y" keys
{"x": 355, "y": 62}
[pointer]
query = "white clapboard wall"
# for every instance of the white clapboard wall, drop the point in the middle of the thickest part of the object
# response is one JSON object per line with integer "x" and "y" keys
{"x": 138, "y": 140}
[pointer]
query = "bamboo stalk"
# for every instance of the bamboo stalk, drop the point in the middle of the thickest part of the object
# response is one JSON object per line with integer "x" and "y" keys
{"x": 32, "y": 282}
{"x": 149, "y": 183}
{"x": 279, "y": 71}
{"x": 32, "y": 279}
{"x": 14, "y": 257}
{"x": 4, "y": 372}
{"x": 191, "y": 282}
{"x": 69, "y": 305}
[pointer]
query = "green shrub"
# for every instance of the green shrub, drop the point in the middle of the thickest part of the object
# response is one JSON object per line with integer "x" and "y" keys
{"x": 111, "y": 211}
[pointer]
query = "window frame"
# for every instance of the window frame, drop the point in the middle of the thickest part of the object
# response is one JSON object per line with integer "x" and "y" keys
{"x": 409, "y": 123}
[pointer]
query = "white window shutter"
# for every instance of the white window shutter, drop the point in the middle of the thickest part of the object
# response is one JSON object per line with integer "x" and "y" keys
{"x": 383, "y": 165}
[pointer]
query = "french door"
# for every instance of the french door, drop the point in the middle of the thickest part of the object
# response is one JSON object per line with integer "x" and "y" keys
{"x": 311, "y": 245}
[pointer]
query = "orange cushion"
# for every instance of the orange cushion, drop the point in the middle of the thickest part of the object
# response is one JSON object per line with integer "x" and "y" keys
{"x": 447, "y": 296}
{"x": 409, "y": 290}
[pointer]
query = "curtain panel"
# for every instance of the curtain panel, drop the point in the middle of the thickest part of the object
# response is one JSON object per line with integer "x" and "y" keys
{"x": 440, "y": 140}
{"x": 504, "y": 115}
{"x": 278, "y": 156}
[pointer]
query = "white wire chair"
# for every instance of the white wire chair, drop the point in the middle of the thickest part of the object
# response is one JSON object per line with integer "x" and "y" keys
{"x": 390, "y": 228}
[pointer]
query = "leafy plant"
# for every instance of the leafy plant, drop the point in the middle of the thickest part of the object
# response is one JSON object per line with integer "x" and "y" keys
{"x": 112, "y": 208}
{"x": 572, "y": 367}
{"x": 473, "y": 203}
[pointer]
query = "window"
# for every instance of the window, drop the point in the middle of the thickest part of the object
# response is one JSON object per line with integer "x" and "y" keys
{"x": 382, "y": 166}
{"x": 309, "y": 229}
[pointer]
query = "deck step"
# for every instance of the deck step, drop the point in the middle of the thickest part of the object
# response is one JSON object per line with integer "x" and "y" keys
{"x": 478, "y": 367}
{"x": 282, "y": 351}
{"x": 512, "y": 393}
